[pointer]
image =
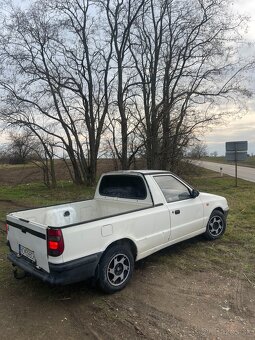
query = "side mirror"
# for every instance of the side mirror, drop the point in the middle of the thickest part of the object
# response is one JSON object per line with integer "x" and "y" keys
{"x": 194, "y": 193}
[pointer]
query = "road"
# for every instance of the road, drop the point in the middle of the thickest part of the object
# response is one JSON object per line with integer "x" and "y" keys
{"x": 242, "y": 172}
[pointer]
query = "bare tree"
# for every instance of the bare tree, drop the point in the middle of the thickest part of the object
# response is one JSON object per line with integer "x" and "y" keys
{"x": 30, "y": 145}
{"x": 198, "y": 150}
{"x": 63, "y": 80}
{"x": 86, "y": 74}
{"x": 121, "y": 16}
{"x": 186, "y": 69}
{"x": 20, "y": 147}
{"x": 43, "y": 156}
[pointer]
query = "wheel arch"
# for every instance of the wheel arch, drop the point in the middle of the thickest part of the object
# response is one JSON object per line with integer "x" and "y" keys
{"x": 121, "y": 242}
{"x": 218, "y": 209}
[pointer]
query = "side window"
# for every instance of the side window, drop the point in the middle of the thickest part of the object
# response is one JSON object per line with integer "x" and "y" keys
{"x": 172, "y": 189}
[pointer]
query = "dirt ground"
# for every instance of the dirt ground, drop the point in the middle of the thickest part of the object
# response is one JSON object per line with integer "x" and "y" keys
{"x": 160, "y": 302}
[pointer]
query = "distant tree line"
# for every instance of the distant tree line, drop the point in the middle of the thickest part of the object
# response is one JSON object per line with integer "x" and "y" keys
{"x": 118, "y": 78}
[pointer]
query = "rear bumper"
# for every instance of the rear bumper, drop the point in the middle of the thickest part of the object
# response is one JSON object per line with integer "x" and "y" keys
{"x": 60, "y": 274}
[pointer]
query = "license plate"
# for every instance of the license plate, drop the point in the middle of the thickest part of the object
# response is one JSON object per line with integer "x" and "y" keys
{"x": 27, "y": 253}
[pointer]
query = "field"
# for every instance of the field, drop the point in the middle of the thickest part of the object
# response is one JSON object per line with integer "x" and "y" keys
{"x": 194, "y": 290}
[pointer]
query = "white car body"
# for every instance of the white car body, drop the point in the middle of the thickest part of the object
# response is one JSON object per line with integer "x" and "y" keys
{"x": 90, "y": 227}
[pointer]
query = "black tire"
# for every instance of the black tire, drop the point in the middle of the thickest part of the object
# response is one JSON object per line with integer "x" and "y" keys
{"x": 116, "y": 268}
{"x": 216, "y": 225}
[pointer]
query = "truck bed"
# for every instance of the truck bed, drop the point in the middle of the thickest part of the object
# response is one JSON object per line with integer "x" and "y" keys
{"x": 77, "y": 212}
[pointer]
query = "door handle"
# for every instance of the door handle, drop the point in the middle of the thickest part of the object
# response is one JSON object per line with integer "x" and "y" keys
{"x": 177, "y": 212}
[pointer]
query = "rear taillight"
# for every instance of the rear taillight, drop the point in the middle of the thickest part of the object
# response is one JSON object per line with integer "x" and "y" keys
{"x": 6, "y": 228}
{"x": 55, "y": 242}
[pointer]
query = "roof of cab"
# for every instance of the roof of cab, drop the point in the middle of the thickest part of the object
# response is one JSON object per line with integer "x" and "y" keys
{"x": 143, "y": 172}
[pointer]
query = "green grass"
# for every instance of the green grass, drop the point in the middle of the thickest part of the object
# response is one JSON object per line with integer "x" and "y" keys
{"x": 233, "y": 254}
{"x": 37, "y": 193}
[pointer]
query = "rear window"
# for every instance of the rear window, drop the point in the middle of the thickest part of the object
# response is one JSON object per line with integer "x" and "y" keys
{"x": 123, "y": 186}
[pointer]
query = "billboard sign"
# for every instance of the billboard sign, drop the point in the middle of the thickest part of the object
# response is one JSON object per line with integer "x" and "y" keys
{"x": 237, "y": 146}
{"x": 236, "y": 152}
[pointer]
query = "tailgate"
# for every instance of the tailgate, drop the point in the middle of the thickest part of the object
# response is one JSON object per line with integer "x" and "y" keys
{"x": 28, "y": 240}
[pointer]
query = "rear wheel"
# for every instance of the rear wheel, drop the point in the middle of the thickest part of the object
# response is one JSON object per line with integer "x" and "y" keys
{"x": 116, "y": 268}
{"x": 216, "y": 225}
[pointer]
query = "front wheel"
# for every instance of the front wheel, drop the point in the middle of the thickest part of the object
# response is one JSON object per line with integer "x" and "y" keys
{"x": 116, "y": 268}
{"x": 216, "y": 225}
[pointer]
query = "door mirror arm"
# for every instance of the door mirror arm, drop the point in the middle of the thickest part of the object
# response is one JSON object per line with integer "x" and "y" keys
{"x": 194, "y": 193}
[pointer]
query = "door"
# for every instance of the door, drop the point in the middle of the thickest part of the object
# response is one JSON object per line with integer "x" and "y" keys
{"x": 186, "y": 212}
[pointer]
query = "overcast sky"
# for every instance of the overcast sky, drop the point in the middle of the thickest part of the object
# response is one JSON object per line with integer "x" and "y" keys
{"x": 244, "y": 127}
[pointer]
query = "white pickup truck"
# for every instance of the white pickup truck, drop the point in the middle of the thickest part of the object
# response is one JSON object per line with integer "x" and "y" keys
{"x": 133, "y": 214}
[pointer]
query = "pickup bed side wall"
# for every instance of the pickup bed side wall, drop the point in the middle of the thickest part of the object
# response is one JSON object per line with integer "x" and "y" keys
{"x": 147, "y": 228}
